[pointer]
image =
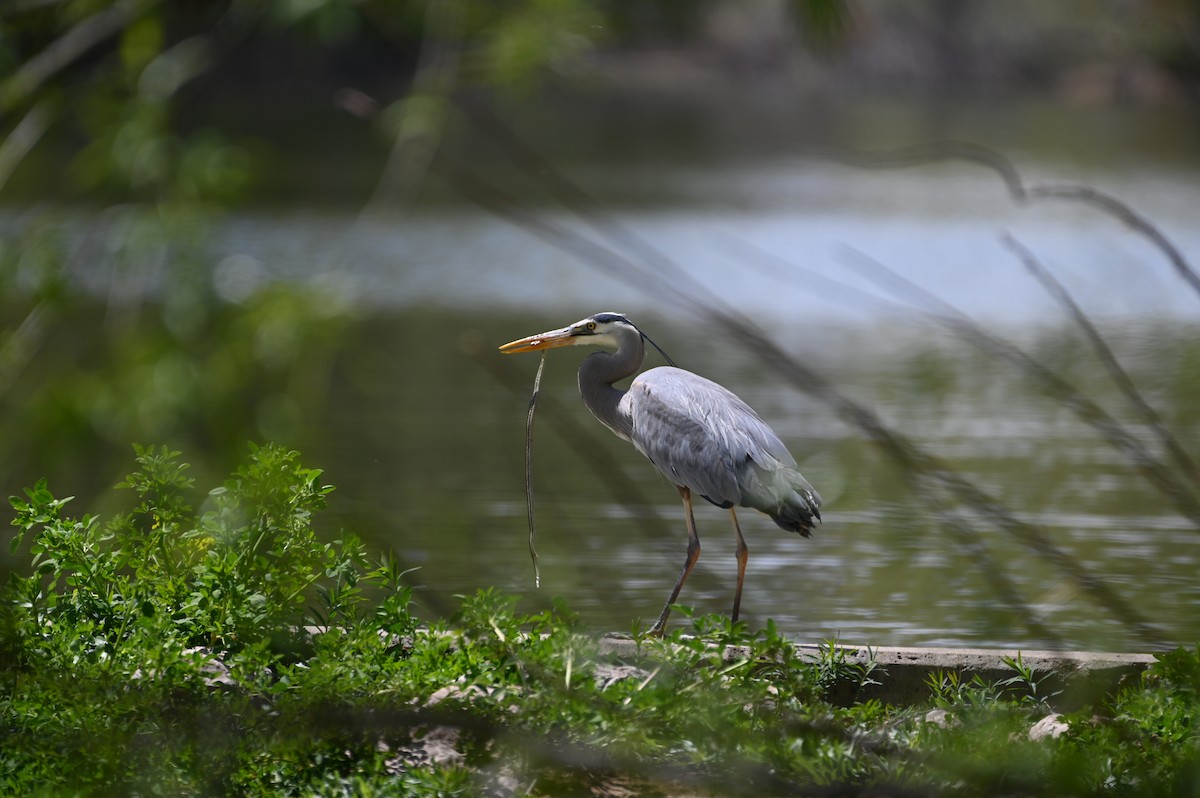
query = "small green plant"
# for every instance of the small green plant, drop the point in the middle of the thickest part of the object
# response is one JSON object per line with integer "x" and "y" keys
{"x": 950, "y": 691}
{"x": 835, "y": 666}
{"x": 1030, "y": 684}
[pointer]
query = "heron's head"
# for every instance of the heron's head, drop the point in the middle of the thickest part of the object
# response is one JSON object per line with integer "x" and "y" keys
{"x": 603, "y": 329}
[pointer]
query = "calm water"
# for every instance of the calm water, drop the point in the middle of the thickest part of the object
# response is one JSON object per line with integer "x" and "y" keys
{"x": 427, "y": 423}
{"x": 421, "y": 422}
{"x": 430, "y": 445}
{"x": 939, "y": 227}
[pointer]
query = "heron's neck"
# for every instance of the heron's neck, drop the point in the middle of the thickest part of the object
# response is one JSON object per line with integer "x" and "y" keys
{"x": 597, "y": 374}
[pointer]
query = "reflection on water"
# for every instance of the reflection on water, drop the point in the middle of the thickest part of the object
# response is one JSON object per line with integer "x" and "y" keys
{"x": 441, "y": 440}
{"x": 426, "y": 445}
{"x": 421, "y": 422}
{"x": 939, "y": 228}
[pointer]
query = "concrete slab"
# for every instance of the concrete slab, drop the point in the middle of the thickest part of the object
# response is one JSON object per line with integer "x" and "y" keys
{"x": 1067, "y": 679}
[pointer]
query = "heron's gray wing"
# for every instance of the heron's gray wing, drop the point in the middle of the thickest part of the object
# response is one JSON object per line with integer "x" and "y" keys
{"x": 699, "y": 434}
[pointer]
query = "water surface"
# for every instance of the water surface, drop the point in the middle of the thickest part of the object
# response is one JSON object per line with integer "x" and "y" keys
{"x": 420, "y": 422}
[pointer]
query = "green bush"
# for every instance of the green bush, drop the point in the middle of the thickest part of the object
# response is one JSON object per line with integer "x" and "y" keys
{"x": 119, "y": 635}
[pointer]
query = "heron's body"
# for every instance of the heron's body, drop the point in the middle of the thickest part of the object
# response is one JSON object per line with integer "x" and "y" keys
{"x": 699, "y": 435}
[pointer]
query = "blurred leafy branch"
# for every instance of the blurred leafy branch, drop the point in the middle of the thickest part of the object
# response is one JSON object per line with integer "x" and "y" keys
{"x": 186, "y": 344}
{"x": 114, "y": 168}
{"x": 113, "y": 173}
{"x": 116, "y": 242}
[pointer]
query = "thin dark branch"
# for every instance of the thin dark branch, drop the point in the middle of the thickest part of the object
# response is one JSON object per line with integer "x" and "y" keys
{"x": 418, "y": 136}
{"x": 22, "y": 138}
{"x": 937, "y": 152}
{"x": 579, "y": 439}
{"x": 1127, "y": 216}
{"x": 21, "y": 344}
{"x": 505, "y": 206}
{"x": 680, "y": 287}
{"x": 911, "y": 457}
{"x": 1105, "y": 355}
{"x": 784, "y": 270}
{"x": 977, "y": 549}
{"x": 664, "y": 270}
{"x": 955, "y": 526}
{"x": 531, "y": 163}
{"x": 1155, "y": 471}
{"x": 1023, "y": 193}
{"x": 67, "y": 48}
{"x": 907, "y": 454}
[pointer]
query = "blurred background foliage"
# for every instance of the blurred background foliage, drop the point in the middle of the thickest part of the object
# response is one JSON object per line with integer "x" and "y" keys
{"x": 133, "y": 130}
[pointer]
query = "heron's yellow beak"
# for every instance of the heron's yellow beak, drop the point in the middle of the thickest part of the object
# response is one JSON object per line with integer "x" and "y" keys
{"x": 551, "y": 339}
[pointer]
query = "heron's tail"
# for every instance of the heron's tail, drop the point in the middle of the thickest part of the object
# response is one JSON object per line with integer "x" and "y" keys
{"x": 800, "y": 513}
{"x": 789, "y": 499}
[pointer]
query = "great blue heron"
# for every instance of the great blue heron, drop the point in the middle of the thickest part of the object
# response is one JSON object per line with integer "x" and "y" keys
{"x": 699, "y": 435}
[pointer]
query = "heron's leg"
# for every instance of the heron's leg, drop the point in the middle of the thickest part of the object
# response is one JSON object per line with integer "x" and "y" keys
{"x": 693, "y": 554}
{"x": 743, "y": 556}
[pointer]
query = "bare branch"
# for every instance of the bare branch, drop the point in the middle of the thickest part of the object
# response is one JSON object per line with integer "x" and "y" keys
{"x": 419, "y": 131}
{"x": 21, "y": 140}
{"x": 1155, "y": 471}
{"x": 579, "y": 439}
{"x": 22, "y": 344}
{"x": 1105, "y": 354}
{"x": 684, "y": 291}
{"x": 665, "y": 272}
{"x": 936, "y": 152}
{"x": 67, "y": 48}
{"x": 919, "y": 462}
{"x": 1127, "y": 216}
{"x": 777, "y": 268}
{"x": 1023, "y": 193}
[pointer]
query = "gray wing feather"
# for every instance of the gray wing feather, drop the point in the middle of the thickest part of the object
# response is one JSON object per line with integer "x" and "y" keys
{"x": 700, "y": 435}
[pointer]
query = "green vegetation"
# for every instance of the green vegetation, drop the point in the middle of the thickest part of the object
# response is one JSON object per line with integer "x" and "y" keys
{"x": 177, "y": 641}
{"x": 212, "y": 644}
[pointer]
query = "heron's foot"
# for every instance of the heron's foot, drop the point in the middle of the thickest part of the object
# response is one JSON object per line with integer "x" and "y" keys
{"x": 660, "y": 626}
{"x": 616, "y": 636}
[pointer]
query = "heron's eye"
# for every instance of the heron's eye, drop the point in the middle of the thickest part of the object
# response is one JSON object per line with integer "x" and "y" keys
{"x": 591, "y": 325}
